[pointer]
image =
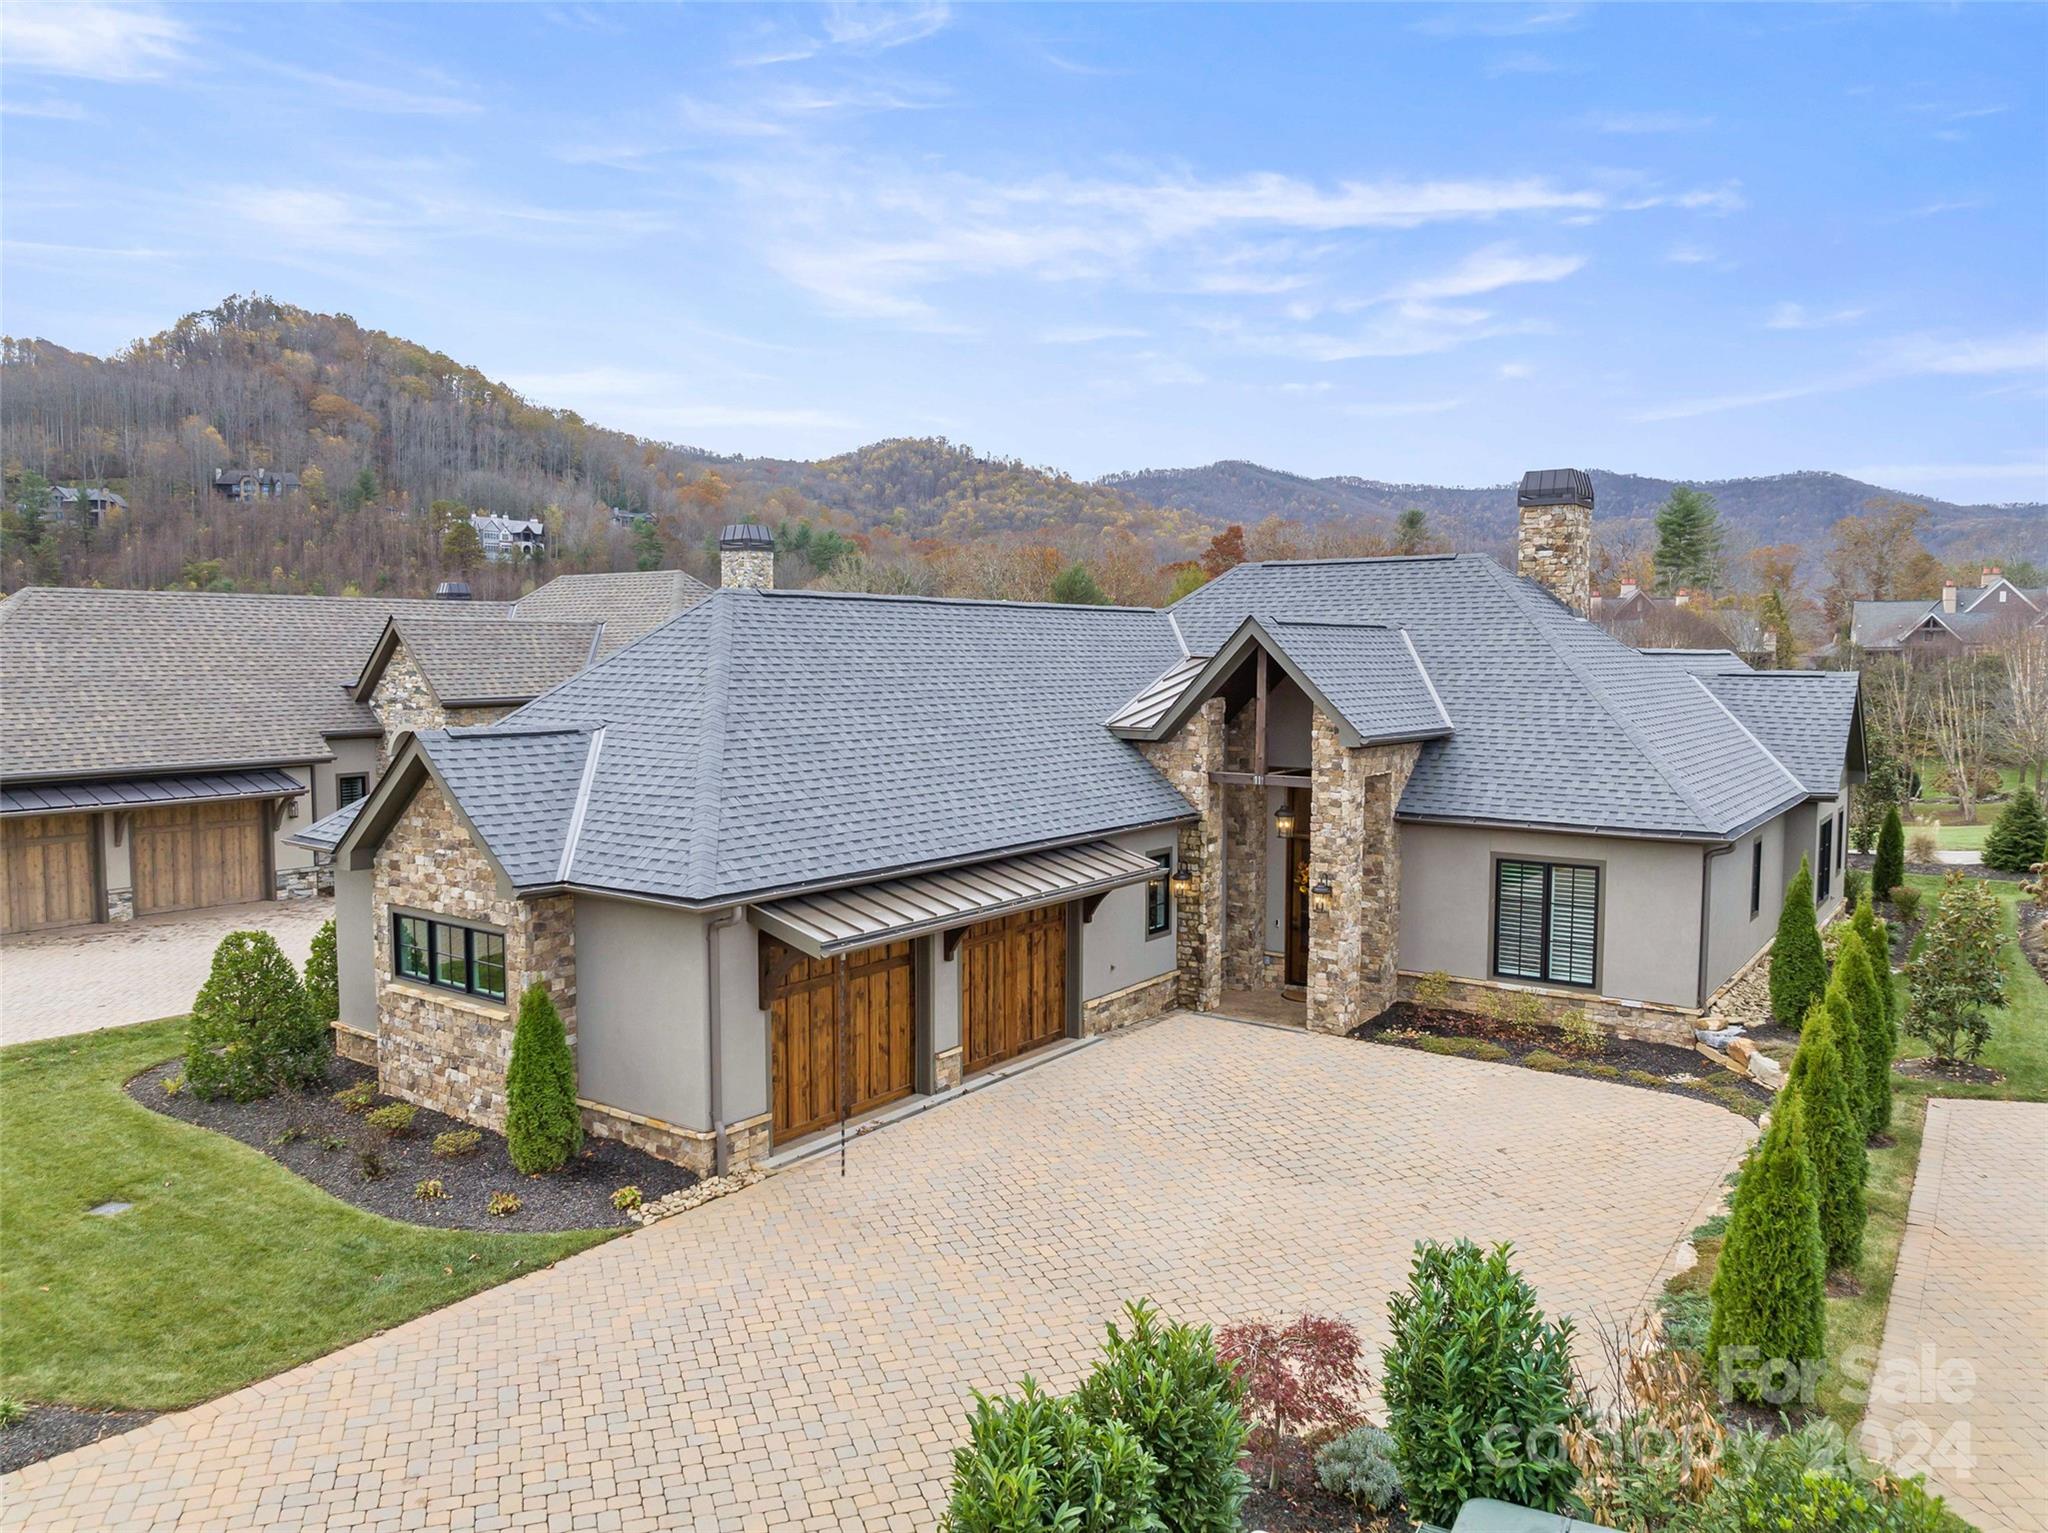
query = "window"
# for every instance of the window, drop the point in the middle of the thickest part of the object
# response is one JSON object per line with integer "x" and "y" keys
{"x": 1841, "y": 839}
{"x": 1756, "y": 878}
{"x": 351, "y": 788}
{"x": 1546, "y": 921}
{"x": 452, "y": 957}
{"x": 1825, "y": 882}
{"x": 1158, "y": 898}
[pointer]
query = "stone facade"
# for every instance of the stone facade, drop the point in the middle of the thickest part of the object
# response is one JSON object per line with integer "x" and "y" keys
{"x": 1245, "y": 860}
{"x": 1186, "y": 761}
{"x": 402, "y": 700}
{"x": 439, "y": 1048}
{"x": 1141, "y": 1002}
{"x": 948, "y": 1068}
{"x": 1651, "y": 1021}
{"x": 304, "y": 883}
{"x": 1355, "y": 848}
{"x": 1554, "y": 546}
{"x": 120, "y": 904}
{"x": 353, "y": 1043}
{"x": 692, "y": 1149}
{"x": 750, "y": 568}
{"x": 464, "y": 718}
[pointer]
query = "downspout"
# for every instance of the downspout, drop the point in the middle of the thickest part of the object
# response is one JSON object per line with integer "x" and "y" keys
{"x": 715, "y": 1072}
{"x": 1706, "y": 909}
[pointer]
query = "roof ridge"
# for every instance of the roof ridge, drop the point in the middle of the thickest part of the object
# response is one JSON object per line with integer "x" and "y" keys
{"x": 1327, "y": 622}
{"x": 917, "y": 600}
{"x": 1517, "y": 592}
{"x": 706, "y": 812}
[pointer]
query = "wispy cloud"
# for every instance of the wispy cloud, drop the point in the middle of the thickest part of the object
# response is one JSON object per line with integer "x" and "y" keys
{"x": 1486, "y": 271}
{"x": 1088, "y": 335}
{"x": 1647, "y": 122}
{"x": 1797, "y": 316}
{"x": 90, "y": 40}
{"x": 1521, "y": 64}
{"x": 325, "y": 220}
{"x": 1394, "y": 409}
{"x": 1948, "y": 205}
{"x": 1902, "y": 357}
{"x": 1499, "y": 20}
{"x": 53, "y": 107}
{"x": 1513, "y": 370}
{"x": 422, "y": 94}
{"x": 853, "y": 28}
{"x": 1686, "y": 254}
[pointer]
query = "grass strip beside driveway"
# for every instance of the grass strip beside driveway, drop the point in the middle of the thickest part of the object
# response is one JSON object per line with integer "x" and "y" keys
{"x": 228, "y": 1268}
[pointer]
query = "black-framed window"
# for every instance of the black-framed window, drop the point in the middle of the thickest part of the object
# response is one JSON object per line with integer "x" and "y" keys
{"x": 451, "y": 957}
{"x": 1841, "y": 839}
{"x": 1546, "y": 921}
{"x": 351, "y": 787}
{"x": 1756, "y": 878}
{"x": 1159, "y": 898}
{"x": 1825, "y": 882}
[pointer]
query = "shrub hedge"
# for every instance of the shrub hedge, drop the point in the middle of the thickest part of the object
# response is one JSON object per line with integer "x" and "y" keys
{"x": 252, "y": 1029}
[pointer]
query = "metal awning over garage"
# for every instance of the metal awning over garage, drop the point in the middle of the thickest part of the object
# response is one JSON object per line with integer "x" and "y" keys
{"x": 146, "y": 792}
{"x": 890, "y": 909}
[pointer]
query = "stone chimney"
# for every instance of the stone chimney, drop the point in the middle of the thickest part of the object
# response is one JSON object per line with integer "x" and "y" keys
{"x": 1948, "y": 596}
{"x": 1681, "y": 597}
{"x": 746, "y": 557}
{"x": 1628, "y": 590}
{"x": 1991, "y": 573}
{"x": 1554, "y": 543}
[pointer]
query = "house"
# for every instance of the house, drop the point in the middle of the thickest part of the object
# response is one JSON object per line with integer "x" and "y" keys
{"x": 510, "y": 537}
{"x": 796, "y": 856}
{"x": 1635, "y": 615}
{"x": 1961, "y": 619}
{"x": 254, "y": 484}
{"x": 157, "y": 748}
{"x": 98, "y": 501}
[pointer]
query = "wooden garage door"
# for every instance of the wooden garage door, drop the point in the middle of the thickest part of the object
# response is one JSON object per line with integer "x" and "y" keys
{"x": 1013, "y": 985}
{"x": 190, "y": 855}
{"x": 807, "y": 1032}
{"x": 47, "y": 880}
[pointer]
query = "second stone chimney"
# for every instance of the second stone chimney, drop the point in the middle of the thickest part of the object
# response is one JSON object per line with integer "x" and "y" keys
{"x": 746, "y": 557}
{"x": 1554, "y": 542}
{"x": 1948, "y": 596}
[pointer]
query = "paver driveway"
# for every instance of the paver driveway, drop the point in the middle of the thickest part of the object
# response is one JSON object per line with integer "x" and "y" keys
{"x": 1972, "y": 1291}
{"x": 800, "y": 1354}
{"x": 132, "y": 971}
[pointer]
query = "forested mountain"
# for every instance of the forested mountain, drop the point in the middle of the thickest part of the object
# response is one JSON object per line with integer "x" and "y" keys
{"x": 394, "y": 443}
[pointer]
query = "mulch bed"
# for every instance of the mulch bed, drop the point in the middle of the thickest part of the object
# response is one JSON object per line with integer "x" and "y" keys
{"x": 1624, "y": 1061}
{"x": 1954, "y": 1072}
{"x": 45, "y": 1431}
{"x": 1866, "y": 860}
{"x": 311, "y": 1134}
{"x": 1311, "y": 1509}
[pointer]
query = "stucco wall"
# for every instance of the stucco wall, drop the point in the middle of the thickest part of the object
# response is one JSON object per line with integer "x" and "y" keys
{"x": 641, "y": 1010}
{"x": 1649, "y": 905}
{"x": 1115, "y": 952}
{"x": 355, "y": 954}
{"x": 1733, "y": 935}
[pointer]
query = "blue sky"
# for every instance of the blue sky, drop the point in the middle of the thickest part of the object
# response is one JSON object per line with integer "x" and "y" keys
{"x": 1434, "y": 244}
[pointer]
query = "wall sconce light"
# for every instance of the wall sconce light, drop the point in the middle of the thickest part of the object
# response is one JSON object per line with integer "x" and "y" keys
{"x": 1186, "y": 882}
{"x": 1320, "y": 896}
{"x": 1284, "y": 820}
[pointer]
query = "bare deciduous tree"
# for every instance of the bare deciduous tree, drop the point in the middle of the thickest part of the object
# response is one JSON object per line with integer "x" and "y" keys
{"x": 1961, "y": 719}
{"x": 2025, "y": 720}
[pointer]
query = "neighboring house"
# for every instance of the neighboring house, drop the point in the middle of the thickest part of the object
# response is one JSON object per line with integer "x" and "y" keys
{"x": 157, "y": 747}
{"x": 1962, "y": 618}
{"x": 625, "y": 519}
{"x": 797, "y": 855}
{"x": 1688, "y": 616}
{"x": 98, "y": 501}
{"x": 254, "y": 484}
{"x": 510, "y": 537}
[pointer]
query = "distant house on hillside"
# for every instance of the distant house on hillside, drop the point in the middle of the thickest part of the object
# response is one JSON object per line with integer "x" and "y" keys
{"x": 1686, "y": 619}
{"x": 1961, "y": 618}
{"x": 99, "y": 500}
{"x": 254, "y": 484}
{"x": 625, "y": 518}
{"x": 511, "y": 537}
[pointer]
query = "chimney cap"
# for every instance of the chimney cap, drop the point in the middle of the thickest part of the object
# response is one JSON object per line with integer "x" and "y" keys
{"x": 1947, "y": 584}
{"x": 1555, "y": 487}
{"x": 452, "y": 590}
{"x": 746, "y": 535}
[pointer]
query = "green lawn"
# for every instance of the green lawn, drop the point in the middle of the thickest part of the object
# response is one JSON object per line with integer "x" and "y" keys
{"x": 228, "y": 1269}
{"x": 1952, "y": 833}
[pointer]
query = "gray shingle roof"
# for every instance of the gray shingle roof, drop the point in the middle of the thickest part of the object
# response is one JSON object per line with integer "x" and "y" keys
{"x": 1875, "y": 624}
{"x": 1701, "y": 662}
{"x": 519, "y": 788}
{"x": 325, "y": 833}
{"x": 1556, "y": 722}
{"x": 1802, "y": 717}
{"x": 469, "y": 661}
{"x": 630, "y": 603}
{"x": 767, "y": 740}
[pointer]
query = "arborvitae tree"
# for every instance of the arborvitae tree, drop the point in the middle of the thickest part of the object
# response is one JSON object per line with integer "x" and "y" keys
{"x": 252, "y": 1028}
{"x": 2020, "y": 838}
{"x": 1877, "y": 943}
{"x": 1848, "y": 1034}
{"x": 1834, "y": 1131}
{"x": 1799, "y": 969}
{"x": 1770, "y": 1286}
{"x": 1890, "y": 869}
{"x": 323, "y": 976}
{"x": 1857, "y": 977}
{"x": 542, "y": 1125}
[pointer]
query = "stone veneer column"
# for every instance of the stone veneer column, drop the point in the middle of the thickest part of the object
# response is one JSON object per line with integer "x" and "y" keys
{"x": 402, "y": 700}
{"x": 1354, "y": 847}
{"x": 1244, "y": 861}
{"x": 1186, "y": 761}
{"x": 1554, "y": 547}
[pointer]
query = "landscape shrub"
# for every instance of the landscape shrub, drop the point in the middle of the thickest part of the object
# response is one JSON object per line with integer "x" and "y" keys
{"x": 1805, "y": 1482}
{"x": 626, "y": 1199}
{"x": 1854, "y": 882}
{"x": 1543, "y": 1059}
{"x": 1958, "y": 979}
{"x": 370, "y": 1166}
{"x": 1182, "y": 1403}
{"x": 457, "y": 1141}
{"x": 11, "y": 1410}
{"x": 1877, "y": 943}
{"x": 1857, "y": 976}
{"x": 1834, "y": 1129}
{"x": 393, "y": 1118}
{"x": 502, "y": 1205}
{"x": 1889, "y": 869}
{"x": 252, "y": 1029}
{"x": 2016, "y": 841}
{"x": 333, "y": 1142}
{"x": 429, "y": 1188}
{"x": 1582, "y": 1035}
{"x": 1770, "y": 1284}
{"x": 1433, "y": 989}
{"x": 1799, "y": 971}
{"x": 173, "y": 1084}
{"x": 543, "y": 1127}
{"x": 1652, "y": 1445}
{"x": 1303, "y": 1375}
{"x": 1906, "y": 901}
{"x": 357, "y": 1098}
{"x": 1478, "y": 1385}
{"x": 1359, "y": 1466}
{"x": 323, "y": 975}
{"x": 1924, "y": 845}
{"x": 1039, "y": 1462}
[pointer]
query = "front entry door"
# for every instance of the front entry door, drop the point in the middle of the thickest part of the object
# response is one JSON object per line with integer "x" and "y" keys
{"x": 1013, "y": 985}
{"x": 809, "y": 1032}
{"x": 1295, "y": 971}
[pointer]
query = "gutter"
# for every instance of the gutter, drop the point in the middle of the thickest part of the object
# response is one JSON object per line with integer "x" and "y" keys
{"x": 714, "y": 1072}
{"x": 1706, "y": 909}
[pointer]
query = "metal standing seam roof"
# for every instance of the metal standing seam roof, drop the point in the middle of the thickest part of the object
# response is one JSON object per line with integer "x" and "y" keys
{"x": 889, "y": 910}
{"x": 146, "y": 792}
{"x": 1157, "y": 697}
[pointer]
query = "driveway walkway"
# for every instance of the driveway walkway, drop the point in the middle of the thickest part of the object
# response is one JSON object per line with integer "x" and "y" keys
{"x": 1961, "y": 1391}
{"x": 132, "y": 971}
{"x": 800, "y": 1354}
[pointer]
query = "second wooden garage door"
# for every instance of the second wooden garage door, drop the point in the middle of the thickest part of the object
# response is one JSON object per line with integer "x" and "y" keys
{"x": 46, "y": 873}
{"x": 806, "y": 1034}
{"x": 1013, "y": 985}
{"x": 190, "y": 855}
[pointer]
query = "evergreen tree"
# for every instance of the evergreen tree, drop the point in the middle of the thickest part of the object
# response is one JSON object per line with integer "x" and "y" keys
{"x": 1877, "y": 945}
{"x": 323, "y": 978}
{"x": 1848, "y": 1034}
{"x": 1799, "y": 969}
{"x": 1076, "y": 586}
{"x": 1857, "y": 976}
{"x": 2020, "y": 838}
{"x": 252, "y": 1029}
{"x": 1834, "y": 1133}
{"x": 1770, "y": 1285}
{"x": 1689, "y": 538}
{"x": 1411, "y": 531}
{"x": 542, "y": 1125}
{"x": 1890, "y": 869}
